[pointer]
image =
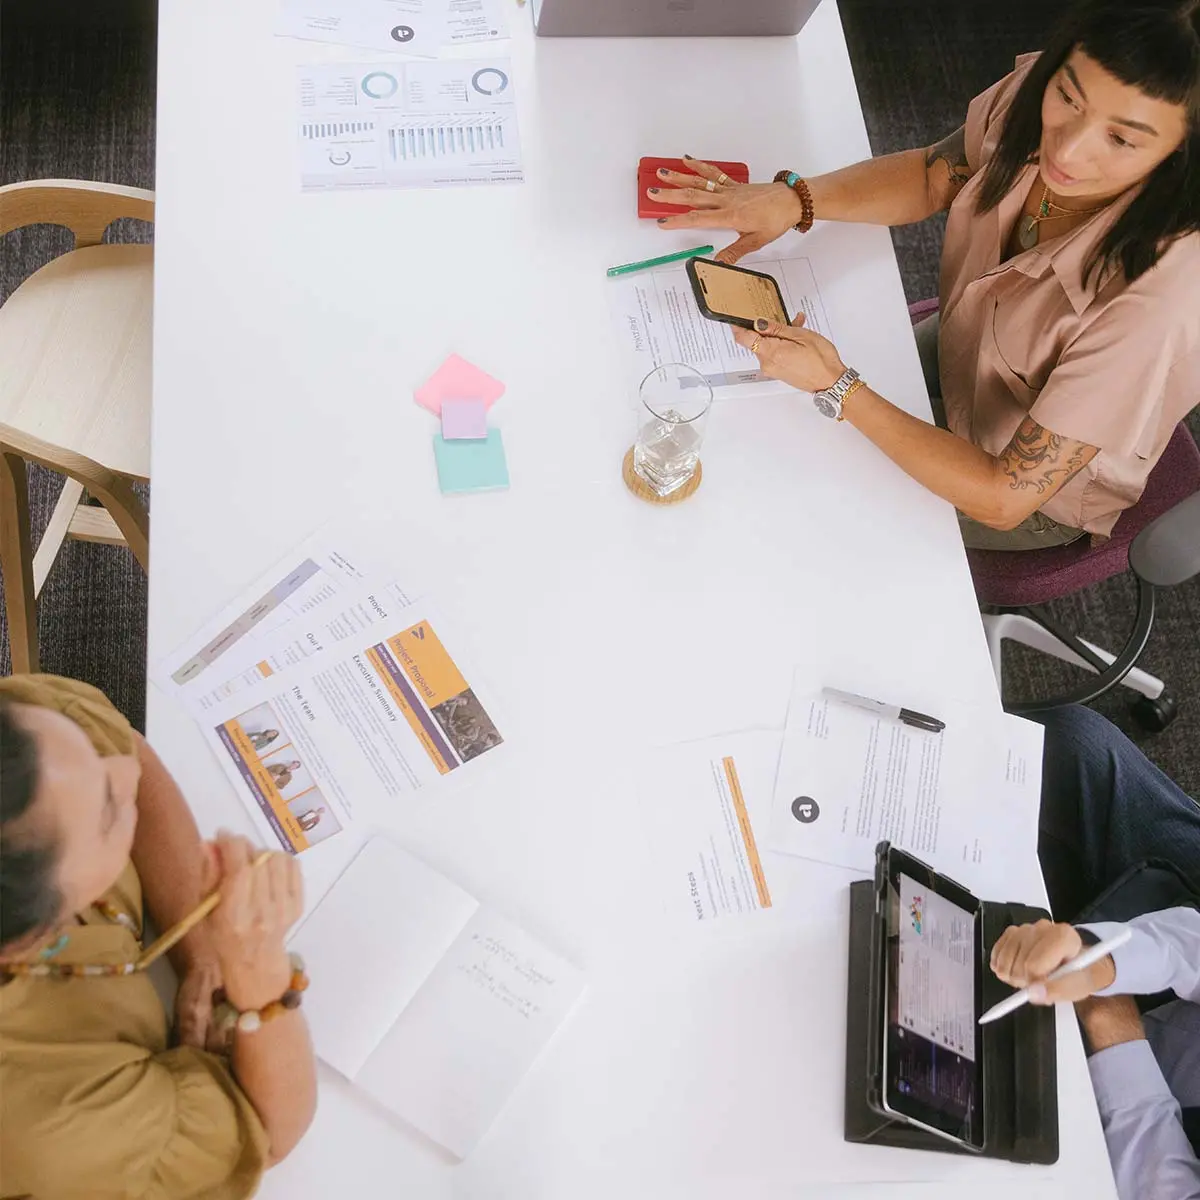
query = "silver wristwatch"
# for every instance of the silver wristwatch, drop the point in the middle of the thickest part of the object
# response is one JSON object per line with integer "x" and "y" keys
{"x": 829, "y": 400}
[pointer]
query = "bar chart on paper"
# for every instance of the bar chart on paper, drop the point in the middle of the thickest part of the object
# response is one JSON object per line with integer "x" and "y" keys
{"x": 441, "y": 124}
{"x": 409, "y": 143}
{"x": 335, "y": 128}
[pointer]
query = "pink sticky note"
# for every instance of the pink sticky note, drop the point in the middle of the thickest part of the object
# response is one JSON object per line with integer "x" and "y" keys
{"x": 463, "y": 419}
{"x": 457, "y": 379}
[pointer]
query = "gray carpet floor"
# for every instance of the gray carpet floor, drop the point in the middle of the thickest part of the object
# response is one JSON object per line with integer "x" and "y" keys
{"x": 917, "y": 64}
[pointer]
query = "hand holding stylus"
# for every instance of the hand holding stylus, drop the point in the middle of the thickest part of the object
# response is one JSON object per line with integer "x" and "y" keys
{"x": 1049, "y": 963}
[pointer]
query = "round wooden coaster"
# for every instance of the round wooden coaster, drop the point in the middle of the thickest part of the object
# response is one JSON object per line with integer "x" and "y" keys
{"x": 643, "y": 491}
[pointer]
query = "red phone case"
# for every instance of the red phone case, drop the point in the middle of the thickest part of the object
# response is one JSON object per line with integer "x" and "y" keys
{"x": 648, "y": 178}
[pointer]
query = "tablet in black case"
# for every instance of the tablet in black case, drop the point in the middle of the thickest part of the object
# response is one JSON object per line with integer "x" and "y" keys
{"x": 1020, "y": 1056}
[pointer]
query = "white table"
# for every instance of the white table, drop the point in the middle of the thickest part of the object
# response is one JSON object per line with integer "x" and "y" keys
{"x": 289, "y": 332}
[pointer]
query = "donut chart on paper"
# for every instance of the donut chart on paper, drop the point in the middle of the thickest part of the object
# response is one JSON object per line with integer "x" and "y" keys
{"x": 388, "y": 85}
{"x": 489, "y": 81}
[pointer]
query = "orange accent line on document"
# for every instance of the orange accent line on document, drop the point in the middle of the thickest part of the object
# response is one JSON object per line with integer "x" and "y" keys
{"x": 739, "y": 804}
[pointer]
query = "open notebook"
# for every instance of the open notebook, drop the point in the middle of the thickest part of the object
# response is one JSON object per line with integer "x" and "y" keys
{"x": 430, "y": 1002}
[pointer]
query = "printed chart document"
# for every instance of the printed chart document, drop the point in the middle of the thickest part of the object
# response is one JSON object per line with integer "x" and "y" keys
{"x": 419, "y": 27}
{"x": 283, "y": 616}
{"x": 408, "y": 124}
{"x": 700, "y": 800}
{"x": 657, "y": 321}
{"x": 352, "y": 730}
{"x": 963, "y": 800}
{"x": 440, "y": 1020}
{"x": 348, "y": 615}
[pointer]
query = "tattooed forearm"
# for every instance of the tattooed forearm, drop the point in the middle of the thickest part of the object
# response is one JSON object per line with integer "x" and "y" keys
{"x": 952, "y": 150}
{"x": 1041, "y": 460}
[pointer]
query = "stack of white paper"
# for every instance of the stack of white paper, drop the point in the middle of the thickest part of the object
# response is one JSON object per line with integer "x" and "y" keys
{"x": 964, "y": 800}
{"x": 327, "y": 690}
{"x": 419, "y": 27}
{"x": 397, "y": 123}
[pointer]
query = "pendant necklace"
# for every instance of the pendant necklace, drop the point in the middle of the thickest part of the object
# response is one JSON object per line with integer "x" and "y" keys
{"x": 1027, "y": 228}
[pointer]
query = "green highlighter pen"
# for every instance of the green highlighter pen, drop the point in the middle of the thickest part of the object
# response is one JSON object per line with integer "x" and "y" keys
{"x": 628, "y": 268}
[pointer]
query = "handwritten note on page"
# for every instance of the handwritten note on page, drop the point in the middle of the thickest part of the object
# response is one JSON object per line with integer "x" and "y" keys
{"x": 472, "y": 1031}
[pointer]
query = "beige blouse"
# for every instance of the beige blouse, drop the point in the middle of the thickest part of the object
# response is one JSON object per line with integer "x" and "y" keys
{"x": 1114, "y": 365}
{"x": 94, "y": 1101}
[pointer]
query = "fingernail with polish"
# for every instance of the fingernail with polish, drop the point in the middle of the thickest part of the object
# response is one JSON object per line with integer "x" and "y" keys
{"x": 662, "y": 220}
{"x": 687, "y": 158}
{"x": 654, "y": 191}
{"x": 663, "y": 172}
{"x": 761, "y": 325}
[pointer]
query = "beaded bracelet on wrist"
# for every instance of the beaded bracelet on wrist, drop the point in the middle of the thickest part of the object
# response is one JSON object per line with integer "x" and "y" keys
{"x": 226, "y": 1018}
{"x": 801, "y": 188}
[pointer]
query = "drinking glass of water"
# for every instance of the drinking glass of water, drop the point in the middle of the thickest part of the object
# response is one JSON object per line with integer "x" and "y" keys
{"x": 673, "y": 404}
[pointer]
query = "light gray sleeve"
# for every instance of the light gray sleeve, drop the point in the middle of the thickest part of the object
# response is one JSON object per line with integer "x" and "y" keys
{"x": 1151, "y": 1156}
{"x": 1163, "y": 953}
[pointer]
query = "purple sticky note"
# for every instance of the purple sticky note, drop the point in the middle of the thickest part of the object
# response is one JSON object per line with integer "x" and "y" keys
{"x": 464, "y": 419}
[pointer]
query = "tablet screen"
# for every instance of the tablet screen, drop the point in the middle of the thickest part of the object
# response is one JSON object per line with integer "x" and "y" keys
{"x": 933, "y": 1063}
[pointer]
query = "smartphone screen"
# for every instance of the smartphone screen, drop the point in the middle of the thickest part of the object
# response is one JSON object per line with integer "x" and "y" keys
{"x": 737, "y": 294}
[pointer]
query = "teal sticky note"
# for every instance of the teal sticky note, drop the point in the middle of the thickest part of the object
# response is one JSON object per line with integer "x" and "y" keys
{"x": 470, "y": 466}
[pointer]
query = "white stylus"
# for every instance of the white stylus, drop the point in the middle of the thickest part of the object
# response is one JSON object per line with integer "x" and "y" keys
{"x": 1081, "y": 962}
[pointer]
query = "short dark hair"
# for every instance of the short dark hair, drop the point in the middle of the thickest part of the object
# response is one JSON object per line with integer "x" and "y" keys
{"x": 30, "y": 899}
{"x": 1153, "y": 45}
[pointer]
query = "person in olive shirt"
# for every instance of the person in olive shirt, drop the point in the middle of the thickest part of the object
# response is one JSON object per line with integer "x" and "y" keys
{"x": 97, "y": 1099}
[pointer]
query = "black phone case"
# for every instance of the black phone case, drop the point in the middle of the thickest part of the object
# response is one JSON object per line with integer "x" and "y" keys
{"x": 1020, "y": 1050}
{"x": 724, "y": 318}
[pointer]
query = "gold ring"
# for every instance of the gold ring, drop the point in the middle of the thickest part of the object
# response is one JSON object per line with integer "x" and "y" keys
{"x": 723, "y": 180}
{"x": 709, "y": 186}
{"x": 754, "y": 345}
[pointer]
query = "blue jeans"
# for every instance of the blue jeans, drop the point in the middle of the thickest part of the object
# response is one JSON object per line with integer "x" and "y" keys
{"x": 1105, "y": 808}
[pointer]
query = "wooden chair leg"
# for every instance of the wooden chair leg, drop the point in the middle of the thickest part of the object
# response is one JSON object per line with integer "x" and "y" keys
{"x": 118, "y": 496}
{"x": 16, "y": 564}
{"x": 56, "y": 532}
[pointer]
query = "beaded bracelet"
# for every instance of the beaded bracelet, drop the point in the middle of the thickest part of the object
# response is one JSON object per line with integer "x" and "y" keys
{"x": 225, "y": 1017}
{"x": 800, "y": 187}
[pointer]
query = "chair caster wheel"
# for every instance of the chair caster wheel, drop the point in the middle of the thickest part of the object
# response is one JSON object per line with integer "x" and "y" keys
{"x": 1155, "y": 715}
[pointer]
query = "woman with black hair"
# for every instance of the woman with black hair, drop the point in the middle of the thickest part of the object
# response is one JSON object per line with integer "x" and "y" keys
{"x": 1068, "y": 343}
{"x": 98, "y": 1098}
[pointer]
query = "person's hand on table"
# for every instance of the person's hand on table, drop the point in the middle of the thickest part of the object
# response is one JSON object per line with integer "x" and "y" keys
{"x": 249, "y": 927}
{"x": 793, "y": 354}
{"x": 759, "y": 212}
{"x": 1025, "y": 954}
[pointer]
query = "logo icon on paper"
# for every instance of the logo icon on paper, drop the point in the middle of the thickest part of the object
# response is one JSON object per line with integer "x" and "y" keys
{"x": 805, "y": 809}
{"x": 403, "y": 33}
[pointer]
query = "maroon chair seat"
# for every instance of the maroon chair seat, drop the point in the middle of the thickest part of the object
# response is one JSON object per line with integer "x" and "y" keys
{"x": 1014, "y": 578}
{"x": 1027, "y": 579}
